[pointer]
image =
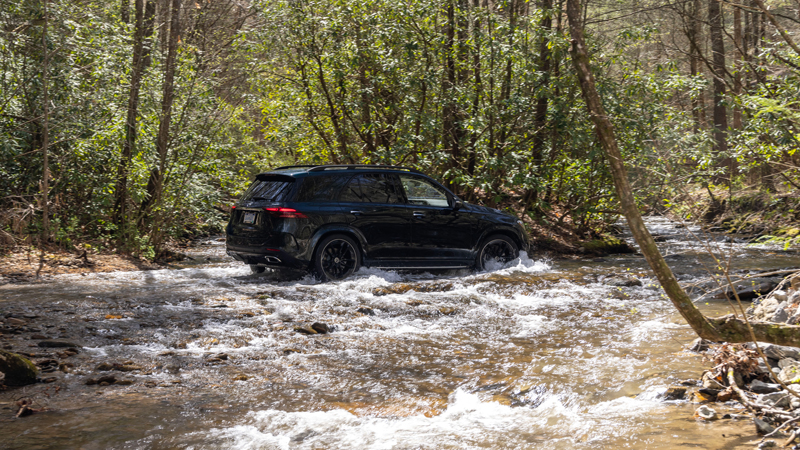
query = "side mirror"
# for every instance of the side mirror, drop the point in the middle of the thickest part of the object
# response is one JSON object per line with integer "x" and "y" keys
{"x": 457, "y": 204}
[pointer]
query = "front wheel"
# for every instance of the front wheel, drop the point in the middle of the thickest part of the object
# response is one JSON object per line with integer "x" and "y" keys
{"x": 495, "y": 251}
{"x": 337, "y": 257}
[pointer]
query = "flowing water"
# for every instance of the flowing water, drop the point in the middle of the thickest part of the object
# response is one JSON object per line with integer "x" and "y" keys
{"x": 538, "y": 354}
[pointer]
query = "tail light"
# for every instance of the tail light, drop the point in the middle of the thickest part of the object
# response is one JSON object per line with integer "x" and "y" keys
{"x": 286, "y": 213}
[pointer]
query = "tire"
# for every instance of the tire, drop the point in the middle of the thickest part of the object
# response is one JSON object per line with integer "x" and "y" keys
{"x": 337, "y": 257}
{"x": 496, "y": 247}
{"x": 257, "y": 269}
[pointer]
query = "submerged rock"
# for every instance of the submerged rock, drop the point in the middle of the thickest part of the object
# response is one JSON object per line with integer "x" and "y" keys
{"x": 18, "y": 370}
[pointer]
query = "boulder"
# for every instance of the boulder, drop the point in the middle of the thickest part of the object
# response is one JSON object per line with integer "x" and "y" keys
{"x": 759, "y": 387}
{"x": 775, "y": 399}
{"x": 18, "y": 370}
{"x": 776, "y": 352}
{"x": 780, "y": 316}
{"x": 766, "y": 309}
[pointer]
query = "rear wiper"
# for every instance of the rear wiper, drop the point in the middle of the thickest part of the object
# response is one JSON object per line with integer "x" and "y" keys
{"x": 263, "y": 198}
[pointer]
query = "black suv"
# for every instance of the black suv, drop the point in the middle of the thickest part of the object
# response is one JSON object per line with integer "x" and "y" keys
{"x": 333, "y": 219}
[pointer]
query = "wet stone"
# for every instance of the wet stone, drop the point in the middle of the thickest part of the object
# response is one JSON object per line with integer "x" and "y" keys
{"x": 762, "y": 427}
{"x": 366, "y": 311}
{"x": 57, "y": 344}
{"x": 38, "y": 337}
{"x": 705, "y": 412}
{"x": 19, "y": 371}
{"x": 675, "y": 393}
{"x": 125, "y": 382}
{"x": 699, "y": 345}
{"x": 305, "y": 329}
{"x": 16, "y": 322}
{"x": 621, "y": 281}
{"x": 104, "y": 367}
{"x": 321, "y": 328}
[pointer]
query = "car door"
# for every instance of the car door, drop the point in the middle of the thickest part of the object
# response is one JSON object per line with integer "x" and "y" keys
{"x": 440, "y": 233}
{"x": 376, "y": 208}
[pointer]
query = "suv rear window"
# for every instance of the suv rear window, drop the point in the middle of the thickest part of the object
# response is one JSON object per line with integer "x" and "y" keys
{"x": 323, "y": 188}
{"x": 275, "y": 188}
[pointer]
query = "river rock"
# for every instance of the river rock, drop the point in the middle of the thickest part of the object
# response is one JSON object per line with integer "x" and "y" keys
{"x": 57, "y": 344}
{"x": 321, "y": 328}
{"x": 710, "y": 382}
{"x": 699, "y": 345}
{"x": 675, "y": 393}
{"x": 759, "y": 387}
{"x": 705, "y": 412}
{"x": 776, "y": 352}
{"x": 775, "y": 399}
{"x": 786, "y": 362}
{"x": 780, "y": 316}
{"x": 621, "y": 281}
{"x": 762, "y": 427}
{"x": 790, "y": 374}
{"x": 366, "y": 311}
{"x": 766, "y": 309}
{"x": 16, "y": 322}
{"x": 18, "y": 370}
{"x": 781, "y": 295}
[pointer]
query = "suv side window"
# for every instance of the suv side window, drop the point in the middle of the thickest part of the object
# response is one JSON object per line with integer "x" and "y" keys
{"x": 420, "y": 191}
{"x": 371, "y": 188}
{"x": 323, "y": 188}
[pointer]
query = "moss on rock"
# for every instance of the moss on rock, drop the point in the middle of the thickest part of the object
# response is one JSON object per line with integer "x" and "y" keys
{"x": 18, "y": 370}
{"x": 607, "y": 244}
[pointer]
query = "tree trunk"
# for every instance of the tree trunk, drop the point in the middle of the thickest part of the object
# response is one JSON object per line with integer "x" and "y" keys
{"x": 728, "y": 328}
{"x": 718, "y": 66}
{"x": 129, "y": 146}
{"x": 540, "y": 118}
{"x": 162, "y": 140}
{"x": 45, "y": 184}
{"x": 695, "y": 33}
{"x": 738, "y": 66}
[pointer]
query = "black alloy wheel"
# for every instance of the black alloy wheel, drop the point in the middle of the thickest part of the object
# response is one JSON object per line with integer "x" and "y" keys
{"x": 337, "y": 257}
{"x": 497, "y": 248}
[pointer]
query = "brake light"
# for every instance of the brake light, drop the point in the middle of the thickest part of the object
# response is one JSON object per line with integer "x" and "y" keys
{"x": 233, "y": 207}
{"x": 286, "y": 213}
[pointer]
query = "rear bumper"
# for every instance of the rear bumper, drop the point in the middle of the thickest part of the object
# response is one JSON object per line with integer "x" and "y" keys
{"x": 268, "y": 258}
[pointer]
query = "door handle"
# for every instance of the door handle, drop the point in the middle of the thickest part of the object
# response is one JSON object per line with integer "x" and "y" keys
{"x": 418, "y": 214}
{"x": 355, "y": 213}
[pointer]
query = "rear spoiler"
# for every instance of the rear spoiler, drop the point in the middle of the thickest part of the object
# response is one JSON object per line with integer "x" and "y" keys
{"x": 274, "y": 177}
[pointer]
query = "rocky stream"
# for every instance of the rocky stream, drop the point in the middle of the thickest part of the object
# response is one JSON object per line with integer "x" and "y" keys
{"x": 572, "y": 354}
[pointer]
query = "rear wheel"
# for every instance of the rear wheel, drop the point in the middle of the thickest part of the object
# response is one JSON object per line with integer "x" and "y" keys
{"x": 337, "y": 257}
{"x": 495, "y": 251}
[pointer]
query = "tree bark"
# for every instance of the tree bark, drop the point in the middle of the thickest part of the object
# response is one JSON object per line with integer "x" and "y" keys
{"x": 45, "y": 185}
{"x": 718, "y": 66}
{"x": 129, "y": 145}
{"x": 738, "y": 59}
{"x": 168, "y": 97}
{"x": 728, "y": 328}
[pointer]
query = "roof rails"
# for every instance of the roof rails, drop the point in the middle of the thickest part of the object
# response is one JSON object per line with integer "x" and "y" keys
{"x": 295, "y": 167}
{"x": 361, "y": 166}
{"x": 318, "y": 168}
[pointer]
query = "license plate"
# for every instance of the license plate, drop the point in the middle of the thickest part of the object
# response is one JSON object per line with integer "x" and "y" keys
{"x": 249, "y": 217}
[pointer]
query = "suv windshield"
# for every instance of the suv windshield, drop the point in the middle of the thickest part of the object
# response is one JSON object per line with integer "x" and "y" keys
{"x": 270, "y": 188}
